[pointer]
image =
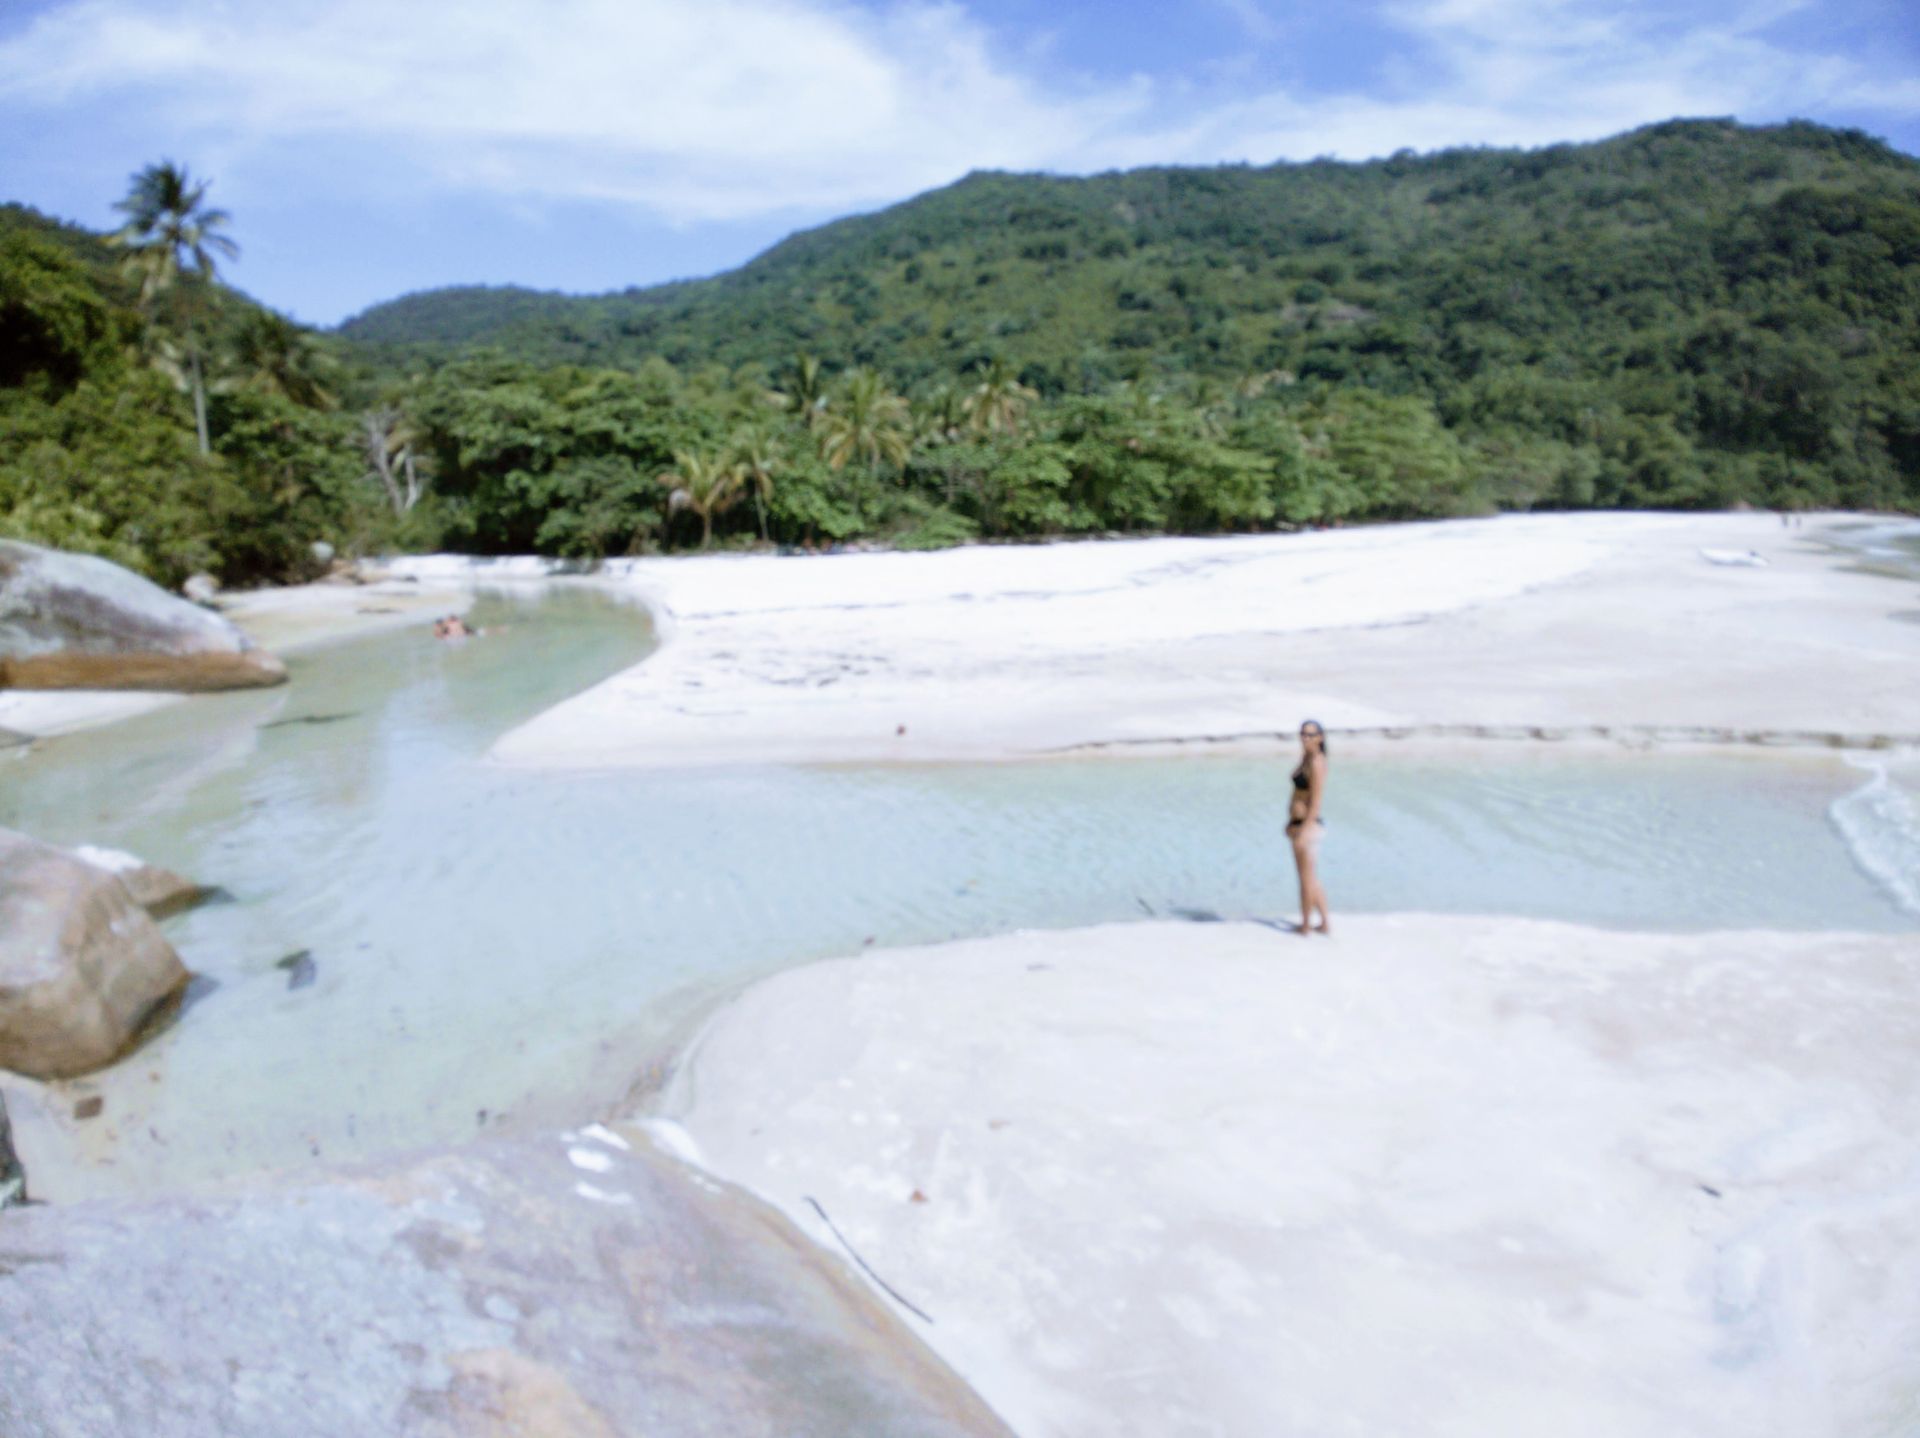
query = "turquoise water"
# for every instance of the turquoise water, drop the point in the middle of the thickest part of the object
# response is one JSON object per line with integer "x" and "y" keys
{"x": 494, "y": 946}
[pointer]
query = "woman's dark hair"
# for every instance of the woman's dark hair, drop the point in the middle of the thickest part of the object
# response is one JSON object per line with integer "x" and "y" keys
{"x": 1323, "y": 733}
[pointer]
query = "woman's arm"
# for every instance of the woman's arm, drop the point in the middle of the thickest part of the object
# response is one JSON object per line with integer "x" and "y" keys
{"x": 1316, "y": 786}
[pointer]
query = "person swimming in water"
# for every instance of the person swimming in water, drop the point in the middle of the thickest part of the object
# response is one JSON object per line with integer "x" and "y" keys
{"x": 1304, "y": 824}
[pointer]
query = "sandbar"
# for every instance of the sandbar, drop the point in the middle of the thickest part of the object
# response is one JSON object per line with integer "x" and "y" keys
{"x": 1438, "y": 1175}
{"x": 1616, "y": 626}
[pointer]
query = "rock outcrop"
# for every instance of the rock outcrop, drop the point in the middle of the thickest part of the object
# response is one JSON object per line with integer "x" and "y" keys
{"x": 82, "y": 965}
{"x": 71, "y": 621}
{"x": 13, "y": 1181}
{"x": 577, "y": 1284}
{"x": 161, "y": 892}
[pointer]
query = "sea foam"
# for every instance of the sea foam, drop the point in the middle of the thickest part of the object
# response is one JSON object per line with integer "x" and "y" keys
{"x": 1881, "y": 823}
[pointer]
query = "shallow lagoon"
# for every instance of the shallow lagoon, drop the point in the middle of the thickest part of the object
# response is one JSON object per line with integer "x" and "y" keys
{"x": 493, "y": 945}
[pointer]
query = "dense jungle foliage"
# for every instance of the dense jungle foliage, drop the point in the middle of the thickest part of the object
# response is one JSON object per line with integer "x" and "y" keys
{"x": 1692, "y": 315}
{"x": 99, "y": 439}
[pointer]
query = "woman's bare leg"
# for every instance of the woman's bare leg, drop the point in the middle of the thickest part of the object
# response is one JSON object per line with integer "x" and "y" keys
{"x": 1303, "y": 865}
{"x": 1312, "y": 896}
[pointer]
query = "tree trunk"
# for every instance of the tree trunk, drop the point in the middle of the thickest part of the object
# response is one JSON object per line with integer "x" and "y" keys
{"x": 706, "y": 527}
{"x": 199, "y": 398}
{"x": 375, "y": 429}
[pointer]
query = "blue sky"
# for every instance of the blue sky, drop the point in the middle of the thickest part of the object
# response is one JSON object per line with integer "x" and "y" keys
{"x": 371, "y": 147}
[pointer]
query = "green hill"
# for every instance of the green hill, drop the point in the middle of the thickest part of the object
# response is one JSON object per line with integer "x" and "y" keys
{"x": 459, "y": 315}
{"x": 1723, "y": 311}
{"x": 1400, "y": 271}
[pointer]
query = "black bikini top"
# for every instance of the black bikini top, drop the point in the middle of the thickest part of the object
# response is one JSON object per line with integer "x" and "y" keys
{"x": 1300, "y": 780}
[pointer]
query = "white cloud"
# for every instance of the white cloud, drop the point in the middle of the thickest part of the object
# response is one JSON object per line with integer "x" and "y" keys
{"x": 1533, "y": 72}
{"x": 706, "y": 110}
{"x": 712, "y": 109}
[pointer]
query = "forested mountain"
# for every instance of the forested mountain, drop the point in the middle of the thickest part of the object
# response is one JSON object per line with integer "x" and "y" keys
{"x": 1401, "y": 272}
{"x": 1743, "y": 291}
{"x": 1694, "y": 314}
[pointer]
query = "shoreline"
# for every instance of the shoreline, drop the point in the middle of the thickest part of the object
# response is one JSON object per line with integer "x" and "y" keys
{"x": 1594, "y": 738}
{"x": 625, "y": 1067}
{"x": 1164, "y": 644}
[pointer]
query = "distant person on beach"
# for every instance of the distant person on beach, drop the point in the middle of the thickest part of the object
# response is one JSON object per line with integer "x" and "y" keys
{"x": 1304, "y": 824}
{"x": 451, "y": 627}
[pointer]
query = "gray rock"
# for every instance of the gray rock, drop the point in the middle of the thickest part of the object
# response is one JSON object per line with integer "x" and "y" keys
{"x": 300, "y": 969}
{"x": 82, "y": 966}
{"x": 202, "y": 589}
{"x": 501, "y": 1288}
{"x": 321, "y": 551}
{"x": 13, "y": 1179}
{"x": 161, "y": 892}
{"x": 71, "y": 621}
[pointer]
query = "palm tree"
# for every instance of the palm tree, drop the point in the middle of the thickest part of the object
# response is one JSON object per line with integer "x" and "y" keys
{"x": 749, "y": 395}
{"x": 706, "y": 484}
{"x": 391, "y": 443}
{"x": 276, "y": 356}
{"x": 753, "y": 452}
{"x": 997, "y": 404}
{"x": 805, "y": 389}
{"x": 940, "y": 415}
{"x": 868, "y": 422}
{"x": 171, "y": 236}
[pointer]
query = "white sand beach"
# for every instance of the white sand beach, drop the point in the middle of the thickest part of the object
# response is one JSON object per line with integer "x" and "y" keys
{"x": 1436, "y": 1176}
{"x": 1609, "y": 622}
{"x": 1578, "y": 623}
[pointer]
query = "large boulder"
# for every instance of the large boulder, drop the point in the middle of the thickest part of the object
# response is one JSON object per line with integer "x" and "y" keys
{"x": 580, "y": 1285}
{"x": 82, "y": 966}
{"x": 71, "y": 621}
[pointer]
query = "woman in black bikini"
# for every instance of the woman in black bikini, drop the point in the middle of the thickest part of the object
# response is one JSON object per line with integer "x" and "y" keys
{"x": 1304, "y": 823}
